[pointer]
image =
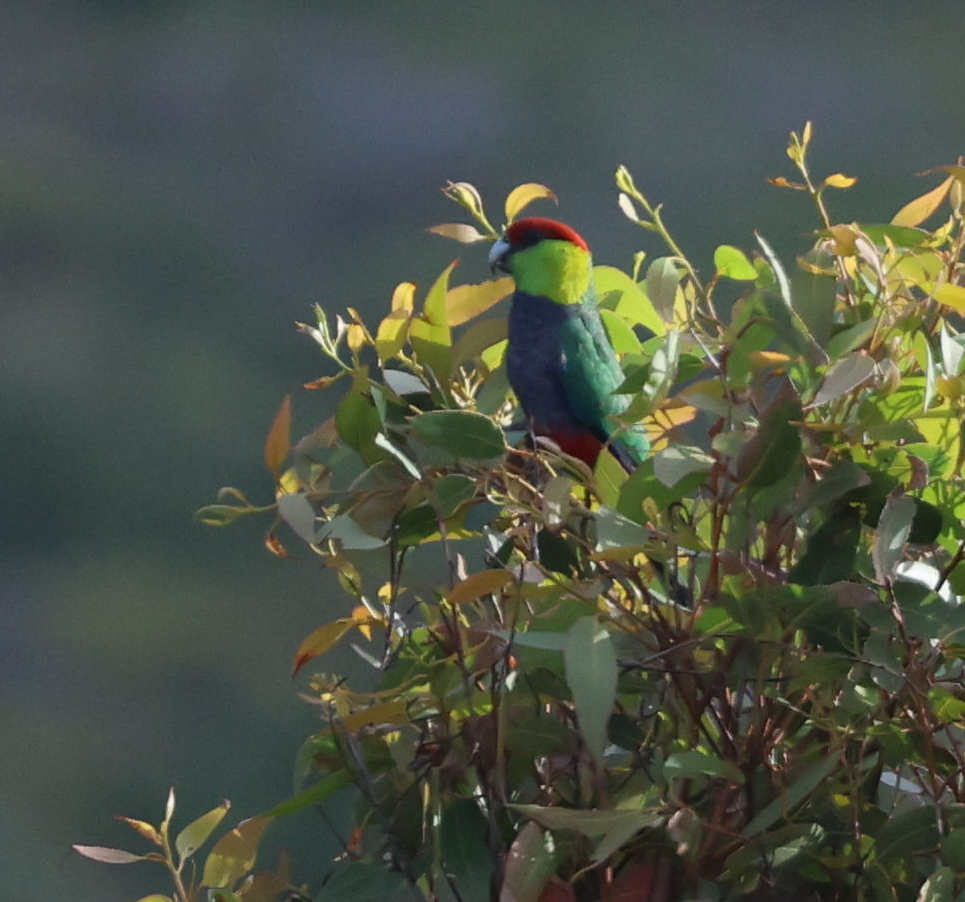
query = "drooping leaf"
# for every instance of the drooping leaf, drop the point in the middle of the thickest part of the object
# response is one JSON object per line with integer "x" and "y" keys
{"x": 320, "y": 641}
{"x": 466, "y": 856}
{"x": 591, "y": 673}
{"x": 278, "y": 441}
{"x": 297, "y": 511}
{"x": 663, "y": 280}
{"x": 532, "y": 859}
{"x": 894, "y": 528}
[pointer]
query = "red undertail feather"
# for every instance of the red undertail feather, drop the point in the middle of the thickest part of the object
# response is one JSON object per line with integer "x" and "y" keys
{"x": 581, "y": 445}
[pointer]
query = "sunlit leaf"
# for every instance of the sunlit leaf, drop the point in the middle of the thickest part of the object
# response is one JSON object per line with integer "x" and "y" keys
{"x": 107, "y": 855}
{"x": 951, "y": 295}
{"x": 733, "y": 263}
{"x": 278, "y": 441}
{"x": 464, "y": 302}
{"x": 466, "y": 195}
{"x": 459, "y": 231}
{"x": 233, "y": 855}
{"x": 192, "y": 837}
{"x": 320, "y": 641}
{"x": 677, "y": 461}
{"x": 917, "y": 211}
{"x": 840, "y": 180}
{"x": 663, "y": 279}
{"x": 146, "y": 830}
{"x": 591, "y": 674}
{"x": 894, "y": 527}
{"x": 478, "y": 584}
{"x": 523, "y": 195}
{"x": 631, "y": 302}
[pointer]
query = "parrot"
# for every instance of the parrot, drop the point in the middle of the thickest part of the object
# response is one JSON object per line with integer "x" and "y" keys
{"x": 560, "y": 362}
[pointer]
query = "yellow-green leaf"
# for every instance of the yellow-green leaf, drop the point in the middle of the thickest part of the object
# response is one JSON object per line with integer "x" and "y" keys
{"x": 632, "y": 303}
{"x": 478, "y": 584}
{"x": 733, "y": 263}
{"x": 192, "y": 837}
{"x": 434, "y": 309}
{"x": 320, "y": 641}
{"x": 918, "y": 210}
{"x": 465, "y": 194}
{"x": 951, "y": 295}
{"x": 459, "y": 231}
{"x": 432, "y": 345}
{"x": 278, "y": 441}
{"x": 523, "y": 195}
{"x": 840, "y": 180}
{"x": 233, "y": 855}
{"x": 467, "y": 301}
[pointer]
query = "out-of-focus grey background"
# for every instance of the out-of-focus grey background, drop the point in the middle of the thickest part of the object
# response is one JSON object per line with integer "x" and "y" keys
{"x": 179, "y": 181}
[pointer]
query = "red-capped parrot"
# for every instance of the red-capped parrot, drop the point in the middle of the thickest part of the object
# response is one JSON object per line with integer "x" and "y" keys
{"x": 560, "y": 362}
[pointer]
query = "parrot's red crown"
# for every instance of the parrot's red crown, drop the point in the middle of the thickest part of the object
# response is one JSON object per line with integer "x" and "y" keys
{"x": 527, "y": 232}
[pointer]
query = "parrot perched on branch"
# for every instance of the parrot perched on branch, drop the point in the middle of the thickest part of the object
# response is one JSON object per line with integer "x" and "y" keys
{"x": 560, "y": 362}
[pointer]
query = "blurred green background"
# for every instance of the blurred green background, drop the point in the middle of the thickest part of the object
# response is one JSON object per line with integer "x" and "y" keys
{"x": 180, "y": 181}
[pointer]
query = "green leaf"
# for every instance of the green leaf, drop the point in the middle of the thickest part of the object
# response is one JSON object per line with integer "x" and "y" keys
{"x": 894, "y": 528}
{"x": 844, "y": 376}
{"x": 630, "y": 301}
{"x": 450, "y": 492}
{"x": 733, "y": 263}
{"x": 196, "y": 834}
{"x": 358, "y": 422}
{"x": 297, "y": 511}
{"x": 466, "y": 856}
{"x": 461, "y": 433}
{"x": 677, "y": 461}
{"x": 591, "y": 673}
{"x": 532, "y": 859}
{"x": 356, "y": 881}
{"x": 695, "y": 763}
{"x": 799, "y": 790}
{"x": 589, "y": 822}
{"x": 234, "y": 854}
{"x": 613, "y": 530}
{"x": 851, "y": 339}
{"x": 663, "y": 279}
{"x": 953, "y": 850}
{"x": 939, "y": 887}
{"x": 621, "y": 336}
{"x": 314, "y": 795}
{"x": 911, "y": 831}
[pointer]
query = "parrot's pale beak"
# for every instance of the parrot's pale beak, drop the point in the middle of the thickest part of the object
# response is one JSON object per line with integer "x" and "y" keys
{"x": 498, "y": 256}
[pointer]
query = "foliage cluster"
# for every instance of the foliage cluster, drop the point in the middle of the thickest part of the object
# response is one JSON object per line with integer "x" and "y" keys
{"x": 734, "y": 673}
